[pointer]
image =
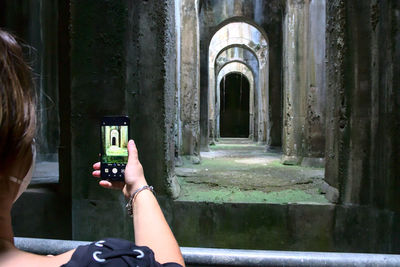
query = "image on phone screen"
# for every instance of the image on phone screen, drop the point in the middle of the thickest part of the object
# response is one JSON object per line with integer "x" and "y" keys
{"x": 114, "y": 151}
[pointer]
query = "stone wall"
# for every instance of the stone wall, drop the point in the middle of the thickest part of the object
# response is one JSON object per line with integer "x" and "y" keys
{"x": 342, "y": 228}
{"x": 35, "y": 24}
{"x": 285, "y": 227}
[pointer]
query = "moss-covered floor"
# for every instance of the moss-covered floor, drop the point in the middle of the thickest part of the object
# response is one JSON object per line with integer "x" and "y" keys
{"x": 238, "y": 170}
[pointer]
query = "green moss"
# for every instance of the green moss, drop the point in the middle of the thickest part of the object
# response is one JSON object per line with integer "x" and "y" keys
{"x": 278, "y": 164}
{"x": 221, "y": 164}
{"x": 244, "y": 173}
{"x": 232, "y": 146}
{"x": 235, "y": 195}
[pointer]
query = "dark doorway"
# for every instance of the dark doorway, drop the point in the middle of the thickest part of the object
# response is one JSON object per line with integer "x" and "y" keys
{"x": 234, "y": 110}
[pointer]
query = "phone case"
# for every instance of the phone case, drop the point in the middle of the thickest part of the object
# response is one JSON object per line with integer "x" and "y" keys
{"x": 114, "y": 137}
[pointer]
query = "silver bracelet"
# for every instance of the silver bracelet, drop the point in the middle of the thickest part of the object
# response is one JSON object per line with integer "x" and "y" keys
{"x": 129, "y": 205}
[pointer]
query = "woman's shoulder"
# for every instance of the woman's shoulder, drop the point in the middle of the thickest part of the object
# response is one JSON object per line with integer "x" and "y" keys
{"x": 114, "y": 252}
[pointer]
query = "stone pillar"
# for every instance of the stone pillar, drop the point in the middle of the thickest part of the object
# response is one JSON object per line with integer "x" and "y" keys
{"x": 363, "y": 97}
{"x": 295, "y": 79}
{"x": 178, "y": 122}
{"x": 190, "y": 78}
{"x": 150, "y": 89}
{"x": 115, "y": 71}
{"x": 314, "y": 124}
{"x": 212, "y": 103}
{"x": 304, "y": 83}
{"x": 264, "y": 126}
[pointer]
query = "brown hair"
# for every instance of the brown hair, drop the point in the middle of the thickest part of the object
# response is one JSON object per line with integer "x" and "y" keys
{"x": 18, "y": 103}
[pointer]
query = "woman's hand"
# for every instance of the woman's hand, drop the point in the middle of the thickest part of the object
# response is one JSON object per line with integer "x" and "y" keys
{"x": 134, "y": 176}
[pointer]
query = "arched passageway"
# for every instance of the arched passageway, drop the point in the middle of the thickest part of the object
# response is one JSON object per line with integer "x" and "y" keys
{"x": 234, "y": 112}
{"x": 251, "y": 38}
{"x": 244, "y": 69}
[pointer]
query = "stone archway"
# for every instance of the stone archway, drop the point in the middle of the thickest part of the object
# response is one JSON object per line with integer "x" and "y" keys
{"x": 248, "y": 58}
{"x": 236, "y": 67}
{"x": 114, "y": 136}
{"x": 234, "y": 100}
{"x": 247, "y": 36}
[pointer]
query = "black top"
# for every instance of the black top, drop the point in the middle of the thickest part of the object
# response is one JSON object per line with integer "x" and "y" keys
{"x": 114, "y": 252}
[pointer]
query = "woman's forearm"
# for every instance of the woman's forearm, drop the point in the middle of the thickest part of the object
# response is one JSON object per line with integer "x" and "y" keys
{"x": 152, "y": 230}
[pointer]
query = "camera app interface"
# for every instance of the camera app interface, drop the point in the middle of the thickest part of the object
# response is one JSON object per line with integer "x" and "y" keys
{"x": 115, "y": 150}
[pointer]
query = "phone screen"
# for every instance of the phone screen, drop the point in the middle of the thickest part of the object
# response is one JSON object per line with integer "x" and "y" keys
{"x": 114, "y": 147}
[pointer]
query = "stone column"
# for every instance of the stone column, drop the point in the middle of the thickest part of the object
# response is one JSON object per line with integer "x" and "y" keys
{"x": 363, "y": 112}
{"x": 304, "y": 83}
{"x": 212, "y": 102}
{"x": 124, "y": 64}
{"x": 314, "y": 124}
{"x": 295, "y": 79}
{"x": 264, "y": 125}
{"x": 189, "y": 78}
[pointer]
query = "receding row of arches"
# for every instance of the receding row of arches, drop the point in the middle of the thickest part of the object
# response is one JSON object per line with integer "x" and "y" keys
{"x": 242, "y": 48}
{"x": 273, "y": 54}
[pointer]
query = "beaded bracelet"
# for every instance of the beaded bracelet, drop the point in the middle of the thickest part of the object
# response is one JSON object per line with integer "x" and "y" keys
{"x": 129, "y": 205}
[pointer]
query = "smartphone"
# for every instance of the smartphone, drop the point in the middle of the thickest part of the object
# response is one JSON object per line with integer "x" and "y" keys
{"x": 114, "y": 132}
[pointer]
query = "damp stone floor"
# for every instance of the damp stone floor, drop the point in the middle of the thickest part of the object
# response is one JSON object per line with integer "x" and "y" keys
{"x": 241, "y": 171}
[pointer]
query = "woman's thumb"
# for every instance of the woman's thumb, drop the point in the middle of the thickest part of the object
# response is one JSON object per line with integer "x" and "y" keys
{"x": 132, "y": 151}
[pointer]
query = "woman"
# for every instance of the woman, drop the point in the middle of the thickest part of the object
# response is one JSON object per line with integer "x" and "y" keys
{"x": 17, "y": 158}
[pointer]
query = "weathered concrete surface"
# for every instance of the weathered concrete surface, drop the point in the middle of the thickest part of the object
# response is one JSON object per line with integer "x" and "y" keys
{"x": 150, "y": 81}
{"x": 35, "y": 23}
{"x": 39, "y": 24}
{"x": 314, "y": 128}
{"x": 268, "y": 15}
{"x": 363, "y": 51}
{"x": 284, "y": 227}
{"x": 227, "y": 225}
{"x": 42, "y": 212}
{"x": 189, "y": 78}
{"x": 115, "y": 71}
{"x": 295, "y": 74}
{"x": 238, "y": 170}
{"x": 304, "y": 83}
{"x": 97, "y": 89}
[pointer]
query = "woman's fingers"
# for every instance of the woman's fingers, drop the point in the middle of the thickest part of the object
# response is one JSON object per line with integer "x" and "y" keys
{"x": 105, "y": 184}
{"x": 96, "y": 174}
{"x": 112, "y": 185}
{"x": 96, "y": 166}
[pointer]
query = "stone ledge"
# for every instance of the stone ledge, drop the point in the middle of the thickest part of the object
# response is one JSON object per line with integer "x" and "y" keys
{"x": 290, "y": 160}
{"x": 313, "y": 162}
